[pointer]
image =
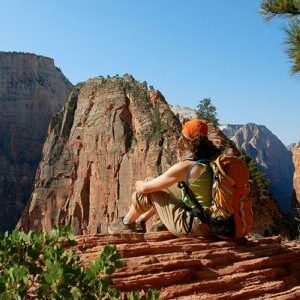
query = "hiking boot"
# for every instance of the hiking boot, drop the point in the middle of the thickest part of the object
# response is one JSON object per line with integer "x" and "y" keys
{"x": 120, "y": 227}
{"x": 158, "y": 226}
{"x": 140, "y": 226}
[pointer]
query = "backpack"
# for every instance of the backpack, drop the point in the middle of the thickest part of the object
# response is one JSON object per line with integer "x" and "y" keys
{"x": 230, "y": 215}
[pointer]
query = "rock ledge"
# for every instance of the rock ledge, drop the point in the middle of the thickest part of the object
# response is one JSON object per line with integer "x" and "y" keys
{"x": 194, "y": 268}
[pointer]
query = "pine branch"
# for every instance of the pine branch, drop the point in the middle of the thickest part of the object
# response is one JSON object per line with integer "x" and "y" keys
{"x": 283, "y": 8}
{"x": 293, "y": 44}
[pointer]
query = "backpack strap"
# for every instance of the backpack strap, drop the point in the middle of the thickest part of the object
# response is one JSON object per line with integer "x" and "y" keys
{"x": 198, "y": 211}
{"x": 197, "y": 162}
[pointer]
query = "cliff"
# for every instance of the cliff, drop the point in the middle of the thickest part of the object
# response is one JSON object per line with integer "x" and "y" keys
{"x": 271, "y": 155}
{"x": 296, "y": 179}
{"x": 32, "y": 89}
{"x": 183, "y": 112}
{"x": 195, "y": 268}
{"x": 111, "y": 132}
{"x": 296, "y": 183}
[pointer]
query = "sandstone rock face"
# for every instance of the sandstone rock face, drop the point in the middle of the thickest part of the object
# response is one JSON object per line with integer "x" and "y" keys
{"x": 270, "y": 154}
{"x": 296, "y": 181}
{"x": 183, "y": 112}
{"x": 31, "y": 90}
{"x": 194, "y": 268}
{"x": 111, "y": 133}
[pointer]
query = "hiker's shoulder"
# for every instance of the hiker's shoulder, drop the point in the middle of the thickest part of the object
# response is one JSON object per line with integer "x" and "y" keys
{"x": 181, "y": 166}
{"x": 187, "y": 164}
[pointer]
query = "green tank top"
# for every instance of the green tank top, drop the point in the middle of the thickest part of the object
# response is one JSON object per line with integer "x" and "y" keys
{"x": 201, "y": 188}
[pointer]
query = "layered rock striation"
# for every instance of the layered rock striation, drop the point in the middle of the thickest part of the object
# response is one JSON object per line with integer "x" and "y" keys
{"x": 32, "y": 89}
{"x": 195, "y": 268}
{"x": 111, "y": 133}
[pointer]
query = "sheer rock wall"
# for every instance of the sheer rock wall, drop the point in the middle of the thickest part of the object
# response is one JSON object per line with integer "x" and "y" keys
{"x": 110, "y": 133}
{"x": 32, "y": 89}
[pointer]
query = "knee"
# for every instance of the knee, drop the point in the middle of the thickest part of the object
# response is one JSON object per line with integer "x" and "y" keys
{"x": 149, "y": 178}
{"x": 141, "y": 202}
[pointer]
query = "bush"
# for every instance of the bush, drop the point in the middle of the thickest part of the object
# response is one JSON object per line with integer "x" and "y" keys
{"x": 257, "y": 177}
{"x": 37, "y": 266}
{"x": 207, "y": 111}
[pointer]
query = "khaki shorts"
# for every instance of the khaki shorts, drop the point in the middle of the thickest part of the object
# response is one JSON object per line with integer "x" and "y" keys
{"x": 170, "y": 210}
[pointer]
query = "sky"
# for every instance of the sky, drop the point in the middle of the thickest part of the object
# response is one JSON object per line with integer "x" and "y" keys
{"x": 189, "y": 50}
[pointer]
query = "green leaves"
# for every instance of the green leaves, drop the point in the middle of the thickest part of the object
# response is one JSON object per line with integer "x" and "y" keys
{"x": 207, "y": 111}
{"x": 293, "y": 44}
{"x": 289, "y": 9}
{"x": 40, "y": 265}
{"x": 257, "y": 177}
{"x": 14, "y": 282}
{"x": 150, "y": 295}
{"x": 285, "y": 8}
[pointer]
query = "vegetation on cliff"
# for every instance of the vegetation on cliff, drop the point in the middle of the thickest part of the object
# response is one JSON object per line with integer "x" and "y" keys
{"x": 257, "y": 177}
{"x": 37, "y": 266}
{"x": 207, "y": 111}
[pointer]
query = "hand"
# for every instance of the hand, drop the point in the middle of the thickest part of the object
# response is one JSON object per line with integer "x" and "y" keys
{"x": 149, "y": 178}
{"x": 139, "y": 186}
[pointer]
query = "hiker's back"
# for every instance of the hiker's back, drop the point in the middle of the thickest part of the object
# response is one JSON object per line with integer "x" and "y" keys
{"x": 201, "y": 185}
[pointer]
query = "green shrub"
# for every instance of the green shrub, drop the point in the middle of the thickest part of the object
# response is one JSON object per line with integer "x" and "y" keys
{"x": 257, "y": 177}
{"x": 37, "y": 266}
{"x": 158, "y": 128}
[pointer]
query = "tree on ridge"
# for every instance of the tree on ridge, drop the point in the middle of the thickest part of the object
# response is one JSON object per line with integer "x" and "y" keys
{"x": 207, "y": 111}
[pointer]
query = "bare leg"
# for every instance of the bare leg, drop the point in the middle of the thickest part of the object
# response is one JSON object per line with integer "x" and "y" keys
{"x": 133, "y": 215}
{"x": 147, "y": 215}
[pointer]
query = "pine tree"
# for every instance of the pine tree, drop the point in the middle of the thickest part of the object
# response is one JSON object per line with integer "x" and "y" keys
{"x": 207, "y": 111}
{"x": 289, "y": 9}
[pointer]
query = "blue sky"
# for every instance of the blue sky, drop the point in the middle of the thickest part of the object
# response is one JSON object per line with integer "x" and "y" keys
{"x": 187, "y": 49}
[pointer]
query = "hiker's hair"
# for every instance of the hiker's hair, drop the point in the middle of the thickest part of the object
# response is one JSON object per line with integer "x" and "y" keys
{"x": 202, "y": 148}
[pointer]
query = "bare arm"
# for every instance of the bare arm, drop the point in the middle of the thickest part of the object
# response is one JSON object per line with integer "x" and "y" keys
{"x": 174, "y": 174}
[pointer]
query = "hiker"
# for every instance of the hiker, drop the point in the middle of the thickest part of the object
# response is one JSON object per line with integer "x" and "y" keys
{"x": 162, "y": 196}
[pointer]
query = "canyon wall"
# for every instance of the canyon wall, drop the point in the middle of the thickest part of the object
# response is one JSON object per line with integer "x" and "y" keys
{"x": 32, "y": 89}
{"x": 111, "y": 132}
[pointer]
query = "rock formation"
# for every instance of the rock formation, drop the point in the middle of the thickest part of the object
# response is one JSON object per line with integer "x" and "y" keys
{"x": 270, "y": 154}
{"x": 31, "y": 90}
{"x": 110, "y": 133}
{"x": 194, "y": 268}
{"x": 183, "y": 112}
{"x": 296, "y": 181}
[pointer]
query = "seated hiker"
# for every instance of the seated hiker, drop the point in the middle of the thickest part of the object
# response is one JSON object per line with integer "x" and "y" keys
{"x": 162, "y": 196}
